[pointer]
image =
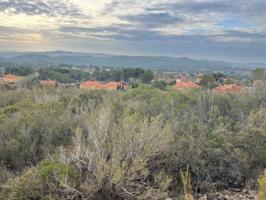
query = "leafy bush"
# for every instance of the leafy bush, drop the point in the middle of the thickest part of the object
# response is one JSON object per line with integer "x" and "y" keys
{"x": 24, "y": 187}
{"x": 262, "y": 184}
{"x": 160, "y": 85}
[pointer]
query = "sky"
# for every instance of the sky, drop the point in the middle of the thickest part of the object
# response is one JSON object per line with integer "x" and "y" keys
{"x": 232, "y": 30}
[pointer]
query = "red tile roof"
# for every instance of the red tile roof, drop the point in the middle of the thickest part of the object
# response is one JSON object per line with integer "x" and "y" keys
{"x": 100, "y": 86}
{"x": 230, "y": 88}
{"x": 112, "y": 85}
{"x": 11, "y": 78}
{"x": 92, "y": 85}
{"x": 186, "y": 85}
{"x": 48, "y": 82}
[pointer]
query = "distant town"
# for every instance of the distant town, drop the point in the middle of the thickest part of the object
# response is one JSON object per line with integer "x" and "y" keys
{"x": 104, "y": 78}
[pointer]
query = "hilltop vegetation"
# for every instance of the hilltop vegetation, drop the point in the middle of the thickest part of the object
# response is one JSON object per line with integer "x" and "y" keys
{"x": 67, "y": 143}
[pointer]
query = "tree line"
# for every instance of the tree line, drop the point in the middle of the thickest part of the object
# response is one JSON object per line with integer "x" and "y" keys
{"x": 66, "y": 74}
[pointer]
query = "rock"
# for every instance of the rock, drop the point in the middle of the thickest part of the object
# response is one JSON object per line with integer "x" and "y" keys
{"x": 221, "y": 198}
{"x": 245, "y": 194}
{"x": 235, "y": 189}
{"x": 204, "y": 197}
{"x": 211, "y": 196}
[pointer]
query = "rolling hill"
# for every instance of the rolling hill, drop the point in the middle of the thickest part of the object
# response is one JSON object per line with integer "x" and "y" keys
{"x": 152, "y": 62}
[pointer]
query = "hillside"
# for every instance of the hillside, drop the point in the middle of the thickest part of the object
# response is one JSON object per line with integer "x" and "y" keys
{"x": 156, "y": 63}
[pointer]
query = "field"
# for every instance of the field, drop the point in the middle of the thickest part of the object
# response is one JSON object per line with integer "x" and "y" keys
{"x": 142, "y": 143}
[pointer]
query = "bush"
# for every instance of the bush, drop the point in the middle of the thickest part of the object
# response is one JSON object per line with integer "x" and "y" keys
{"x": 69, "y": 143}
{"x": 262, "y": 184}
{"x": 109, "y": 159}
{"x": 24, "y": 187}
{"x": 114, "y": 156}
{"x": 160, "y": 85}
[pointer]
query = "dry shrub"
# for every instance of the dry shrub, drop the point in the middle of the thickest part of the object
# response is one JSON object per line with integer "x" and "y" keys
{"x": 113, "y": 156}
{"x": 262, "y": 184}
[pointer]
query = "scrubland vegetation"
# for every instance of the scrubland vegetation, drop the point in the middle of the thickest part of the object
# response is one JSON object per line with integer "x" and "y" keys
{"x": 143, "y": 143}
{"x": 262, "y": 182}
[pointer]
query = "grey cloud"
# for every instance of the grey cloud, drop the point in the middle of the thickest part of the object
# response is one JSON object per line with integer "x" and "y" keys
{"x": 39, "y": 7}
{"x": 133, "y": 34}
{"x": 116, "y": 33}
{"x": 257, "y": 37}
{"x": 154, "y": 19}
{"x": 140, "y": 26}
{"x": 242, "y": 8}
{"x": 129, "y": 34}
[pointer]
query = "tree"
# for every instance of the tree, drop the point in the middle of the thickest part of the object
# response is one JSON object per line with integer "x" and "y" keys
{"x": 207, "y": 81}
{"x": 218, "y": 76}
{"x": 259, "y": 74}
{"x": 20, "y": 71}
{"x": 147, "y": 76}
{"x": 160, "y": 85}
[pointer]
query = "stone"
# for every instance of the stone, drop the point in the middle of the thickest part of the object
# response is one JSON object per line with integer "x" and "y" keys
{"x": 204, "y": 197}
{"x": 211, "y": 196}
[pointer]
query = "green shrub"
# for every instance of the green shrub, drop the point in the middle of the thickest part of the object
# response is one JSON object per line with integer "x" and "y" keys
{"x": 24, "y": 187}
{"x": 122, "y": 147}
{"x": 262, "y": 184}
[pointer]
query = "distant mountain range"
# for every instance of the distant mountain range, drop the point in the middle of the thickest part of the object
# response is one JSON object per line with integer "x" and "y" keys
{"x": 152, "y": 62}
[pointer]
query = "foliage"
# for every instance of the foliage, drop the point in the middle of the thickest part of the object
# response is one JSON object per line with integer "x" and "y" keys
{"x": 112, "y": 159}
{"x": 24, "y": 187}
{"x": 207, "y": 81}
{"x": 187, "y": 186}
{"x": 259, "y": 74}
{"x": 66, "y": 143}
{"x": 20, "y": 71}
{"x": 63, "y": 75}
{"x": 114, "y": 155}
{"x": 262, "y": 184}
{"x": 255, "y": 137}
{"x": 160, "y": 85}
{"x": 218, "y": 76}
{"x": 124, "y": 74}
{"x": 147, "y": 76}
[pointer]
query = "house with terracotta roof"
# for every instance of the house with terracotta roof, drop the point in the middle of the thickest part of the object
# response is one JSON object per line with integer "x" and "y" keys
{"x": 11, "y": 78}
{"x": 186, "y": 85}
{"x": 101, "y": 86}
{"x": 113, "y": 85}
{"x": 92, "y": 85}
{"x": 50, "y": 83}
{"x": 229, "y": 88}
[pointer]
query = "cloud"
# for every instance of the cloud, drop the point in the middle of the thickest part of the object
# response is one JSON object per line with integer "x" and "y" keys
{"x": 217, "y": 22}
{"x": 38, "y": 7}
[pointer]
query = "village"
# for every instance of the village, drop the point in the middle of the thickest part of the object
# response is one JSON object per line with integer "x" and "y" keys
{"x": 183, "y": 82}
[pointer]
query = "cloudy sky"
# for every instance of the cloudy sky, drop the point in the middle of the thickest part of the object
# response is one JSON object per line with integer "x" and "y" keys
{"x": 233, "y": 30}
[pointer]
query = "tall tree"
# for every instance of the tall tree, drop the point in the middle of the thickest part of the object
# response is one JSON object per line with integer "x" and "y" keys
{"x": 259, "y": 74}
